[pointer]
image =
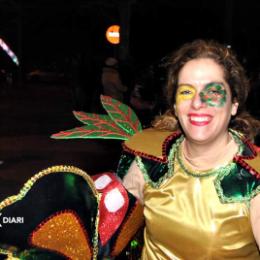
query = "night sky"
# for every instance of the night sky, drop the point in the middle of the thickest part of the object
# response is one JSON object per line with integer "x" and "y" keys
{"x": 43, "y": 32}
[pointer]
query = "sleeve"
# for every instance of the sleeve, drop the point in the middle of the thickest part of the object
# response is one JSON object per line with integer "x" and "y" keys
{"x": 124, "y": 164}
{"x": 134, "y": 181}
{"x": 144, "y": 171}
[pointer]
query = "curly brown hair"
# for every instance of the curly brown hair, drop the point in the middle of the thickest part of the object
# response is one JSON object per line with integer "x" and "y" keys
{"x": 234, "y": 75}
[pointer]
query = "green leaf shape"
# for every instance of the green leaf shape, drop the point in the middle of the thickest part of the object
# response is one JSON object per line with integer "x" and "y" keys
{"x": 122, "y": 115}
{"x": 94, "y": 125}
{"x": 100, "y": 121}
{"x": 120, "y": 123}
{"x": 91, "y": 119}
{"x": 92, "y": 132}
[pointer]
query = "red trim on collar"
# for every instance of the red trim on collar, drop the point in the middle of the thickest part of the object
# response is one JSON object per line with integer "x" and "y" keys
{"x": 240, "y": 159}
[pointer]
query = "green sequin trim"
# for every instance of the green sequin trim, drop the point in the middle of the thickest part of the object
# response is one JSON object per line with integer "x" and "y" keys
{"x": 231, "y": 168}
{"x": 200, "y": 173}
{"x": 232, "y": 199}
{"x": 217, "y": 182}
{"x": 170, "y": 165}
{"x": 221, "y": 171}
{"x": 215, "y": 171}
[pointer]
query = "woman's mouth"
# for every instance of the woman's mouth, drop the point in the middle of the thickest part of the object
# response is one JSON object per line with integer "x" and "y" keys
{"x": 199, "y": 119}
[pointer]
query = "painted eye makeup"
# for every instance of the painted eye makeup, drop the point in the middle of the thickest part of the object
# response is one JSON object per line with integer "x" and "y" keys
{"x": 185, "y": 92}
{"x": 214, "y": 94}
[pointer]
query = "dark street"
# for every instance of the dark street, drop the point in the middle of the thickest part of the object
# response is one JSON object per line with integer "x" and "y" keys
{"x": 29, "y": 115}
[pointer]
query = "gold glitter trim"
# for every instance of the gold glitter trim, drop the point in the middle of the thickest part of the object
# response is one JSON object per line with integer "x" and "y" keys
{"x": 54, "y": 169}
{"x": 95, "y": 238}
{"x": 11, "y": 257}
{"x": 8, "y": 253}
{"x": 63, "y": 233}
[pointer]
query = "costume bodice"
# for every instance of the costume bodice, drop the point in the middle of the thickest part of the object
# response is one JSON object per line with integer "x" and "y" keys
{"x": 186, "y": 220}
{"x": 194, "y": 216}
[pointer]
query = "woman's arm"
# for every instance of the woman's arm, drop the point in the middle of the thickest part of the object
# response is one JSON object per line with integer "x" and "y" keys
{"x": 255, "y": 217}
{"x": 134, "y": 181}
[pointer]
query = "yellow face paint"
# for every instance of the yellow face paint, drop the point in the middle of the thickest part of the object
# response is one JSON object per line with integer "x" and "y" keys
{"x": 185, "y": 92}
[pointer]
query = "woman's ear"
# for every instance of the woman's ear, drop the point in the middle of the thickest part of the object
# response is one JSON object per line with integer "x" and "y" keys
{"x": 175, "y": 112}
{"x": 234, "y": 108}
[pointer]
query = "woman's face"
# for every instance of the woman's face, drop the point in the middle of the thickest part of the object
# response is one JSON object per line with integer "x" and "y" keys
{"x": 203, "y": 101}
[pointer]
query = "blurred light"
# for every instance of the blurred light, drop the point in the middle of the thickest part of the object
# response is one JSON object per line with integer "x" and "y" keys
{"x": 113, "y": 34}
{"x": 9, "y": 52}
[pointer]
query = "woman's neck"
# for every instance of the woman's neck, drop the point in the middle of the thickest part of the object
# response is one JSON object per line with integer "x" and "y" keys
{"x": 206, "y": 156}
{"x": 194, "y": 148}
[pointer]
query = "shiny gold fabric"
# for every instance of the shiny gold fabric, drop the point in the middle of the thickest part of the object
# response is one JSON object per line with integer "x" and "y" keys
{"x": 185, "y": 220}
{"x": 149, "y": 141}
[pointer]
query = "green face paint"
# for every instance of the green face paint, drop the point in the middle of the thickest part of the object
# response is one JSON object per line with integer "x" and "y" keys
{"x": 214, "y": 95}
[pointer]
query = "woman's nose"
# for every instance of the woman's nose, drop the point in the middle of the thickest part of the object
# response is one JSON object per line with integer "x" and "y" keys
{"x": 197, "y": 103}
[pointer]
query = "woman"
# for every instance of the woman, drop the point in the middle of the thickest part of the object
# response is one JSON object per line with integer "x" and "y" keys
{"x": 194, "y": 172}
{"x": 200, "y": 192}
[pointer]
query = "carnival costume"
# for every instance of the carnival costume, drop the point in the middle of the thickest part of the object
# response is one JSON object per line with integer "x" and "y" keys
{"x": 188, "y": 215}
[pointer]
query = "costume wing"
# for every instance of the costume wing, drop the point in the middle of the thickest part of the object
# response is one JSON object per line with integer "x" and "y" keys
{"x": 120, "y": 123}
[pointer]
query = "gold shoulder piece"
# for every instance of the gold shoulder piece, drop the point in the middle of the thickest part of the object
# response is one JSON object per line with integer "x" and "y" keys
{"x": 254, "y": 163}
{"x": 150, "y": 142}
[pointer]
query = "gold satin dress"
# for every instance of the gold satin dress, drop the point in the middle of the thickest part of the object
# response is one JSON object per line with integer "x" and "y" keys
{"x": 185, "y": 220}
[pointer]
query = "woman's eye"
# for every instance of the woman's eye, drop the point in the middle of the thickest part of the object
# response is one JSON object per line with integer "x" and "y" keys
{"x": 214, "y": 92}
{"x": 185, "y": 92}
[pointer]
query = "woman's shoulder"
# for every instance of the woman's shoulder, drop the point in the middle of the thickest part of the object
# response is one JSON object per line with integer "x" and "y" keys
{"x": 250, "y": 158}
{"x": 243, "y": 181}
{"x": 151, "y": 143}
{"x": 150, "y": 149}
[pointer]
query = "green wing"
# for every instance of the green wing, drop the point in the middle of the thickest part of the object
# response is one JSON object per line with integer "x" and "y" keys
{"x": 120, "y": 123}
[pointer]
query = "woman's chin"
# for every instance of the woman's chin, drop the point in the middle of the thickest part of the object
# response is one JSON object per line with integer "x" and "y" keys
{"x": 199, "y": 138}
